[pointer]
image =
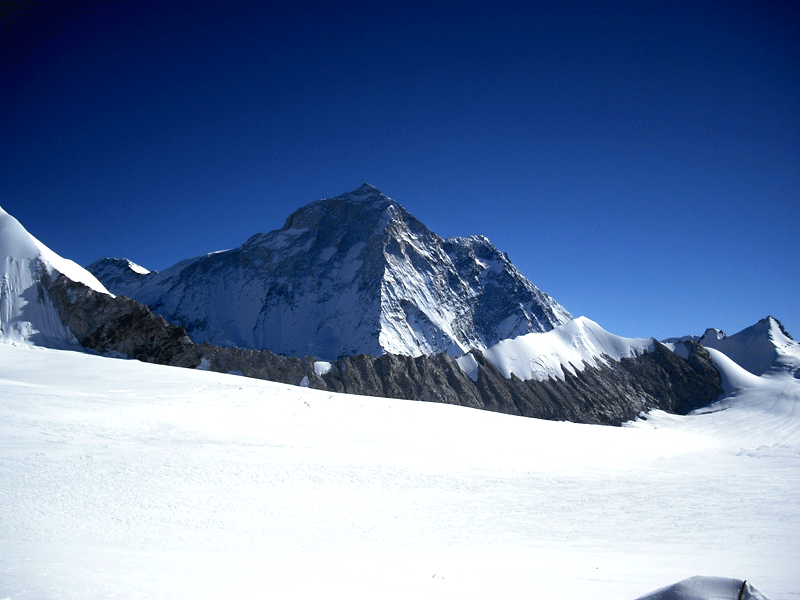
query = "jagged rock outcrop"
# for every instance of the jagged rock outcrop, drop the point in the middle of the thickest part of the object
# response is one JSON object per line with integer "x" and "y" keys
{"x": 116, "y": 325}
{"x": 611, "y": 393}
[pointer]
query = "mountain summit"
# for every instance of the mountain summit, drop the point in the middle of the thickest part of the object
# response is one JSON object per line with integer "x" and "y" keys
{"x": 761, "y": 348}
{"x": 353, "y": 274}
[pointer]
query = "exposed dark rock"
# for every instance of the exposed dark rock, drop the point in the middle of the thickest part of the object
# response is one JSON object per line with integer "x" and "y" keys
{"x": 611, "y": 394}
{"x": 115, "y": 325}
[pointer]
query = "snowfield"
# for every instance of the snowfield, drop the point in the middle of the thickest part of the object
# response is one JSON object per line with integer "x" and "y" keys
{"x": 130, "y": 480}
{"x": 567, "y": 348}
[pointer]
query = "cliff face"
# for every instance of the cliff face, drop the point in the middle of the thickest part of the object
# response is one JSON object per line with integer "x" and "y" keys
{"x": 608, "y": 393}
{"x": 26, "y": 313}
{"x": 115, "y": 325}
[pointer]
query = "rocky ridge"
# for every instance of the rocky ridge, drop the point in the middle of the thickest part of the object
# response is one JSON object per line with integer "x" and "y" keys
{"x": 610, "y": 393}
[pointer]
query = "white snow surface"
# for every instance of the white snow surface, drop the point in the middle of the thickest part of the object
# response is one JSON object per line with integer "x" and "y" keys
{"x": 26, "y": 314}
{"x": 758, "y": 348}
{"x": 138, "y": 268}
{"x": 707, "y": 588}
{"x": 567, "y": 348}
{"x": 130, "y": 480}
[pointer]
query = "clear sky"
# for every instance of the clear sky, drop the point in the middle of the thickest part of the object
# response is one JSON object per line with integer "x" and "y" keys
{"x": 639, "y": 161}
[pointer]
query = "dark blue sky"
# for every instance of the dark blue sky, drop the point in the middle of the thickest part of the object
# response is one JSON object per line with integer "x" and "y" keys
{"x": 638, "y": 161}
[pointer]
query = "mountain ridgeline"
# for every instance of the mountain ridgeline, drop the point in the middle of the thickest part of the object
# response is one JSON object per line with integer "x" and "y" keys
{"x": 608, "y": 392}
{"x": 354, "y": 295}
{"x": 354, "y": 274}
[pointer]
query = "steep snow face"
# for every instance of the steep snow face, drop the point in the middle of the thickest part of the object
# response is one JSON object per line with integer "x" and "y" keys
{"x": 346, "y": 275}
{"x": 26, "y": 313}
{"x": 759, "y": 348}
{"x": 566, "y": 349}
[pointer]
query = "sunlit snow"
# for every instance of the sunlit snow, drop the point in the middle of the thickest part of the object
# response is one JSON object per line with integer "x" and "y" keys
{"x": 567, "y": 348}
{"x": 123, "y": 479}
{"x": 26, "y": 313}
{"x": 16, "y": 242}
{"x": 757, "y": 349}
{"x": 138, "y": 268}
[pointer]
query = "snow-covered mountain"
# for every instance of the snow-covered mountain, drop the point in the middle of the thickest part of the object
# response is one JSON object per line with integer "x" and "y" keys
{"x": 576, "y": 371}
{"x": 354, "y": 274}
{"x": 568, "y": 348}
{"x": 759, "y": 348}
{"x": 764, "y": 347}
{"x": 26, "y": 312}
{"x": 121, "y": 274}
{"x": 627, "y": 509}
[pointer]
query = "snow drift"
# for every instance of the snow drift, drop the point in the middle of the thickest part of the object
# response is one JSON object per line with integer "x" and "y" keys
{"x": 760, "y": 348}
{"x": 567, "y": 348}
{"x": 707, "y": 588}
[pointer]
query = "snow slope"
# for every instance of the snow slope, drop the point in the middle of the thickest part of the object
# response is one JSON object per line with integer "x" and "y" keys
{"x": 758, "y": 348}
{"x": 26, "y": 314}
{"x": 707, "y": 588}
{"x": 126, "y": 479}
{"x": 566, "y": 348}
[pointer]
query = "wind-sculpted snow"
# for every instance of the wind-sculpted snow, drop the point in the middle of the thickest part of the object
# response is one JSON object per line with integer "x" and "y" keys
{"x": 707, "y": 588}
{"x": 758, "y": 348}
{"x": 354, "y": 274}
{"x": 566, "y": 349}
{"x": 26, "y": 313}
{"x": 130, "y": 480}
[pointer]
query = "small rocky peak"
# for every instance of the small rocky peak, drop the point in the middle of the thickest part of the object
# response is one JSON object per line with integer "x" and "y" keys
{"x": 781, "y": 327}
{"x": 712, "y": 334}
{"x": 774, "y": 328}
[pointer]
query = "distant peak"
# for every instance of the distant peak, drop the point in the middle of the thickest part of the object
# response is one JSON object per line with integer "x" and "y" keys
{"x": 712, "y": 333}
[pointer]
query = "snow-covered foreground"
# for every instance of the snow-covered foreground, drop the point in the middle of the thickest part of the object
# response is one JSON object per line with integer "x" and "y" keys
{"x": 131, "y": 480}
